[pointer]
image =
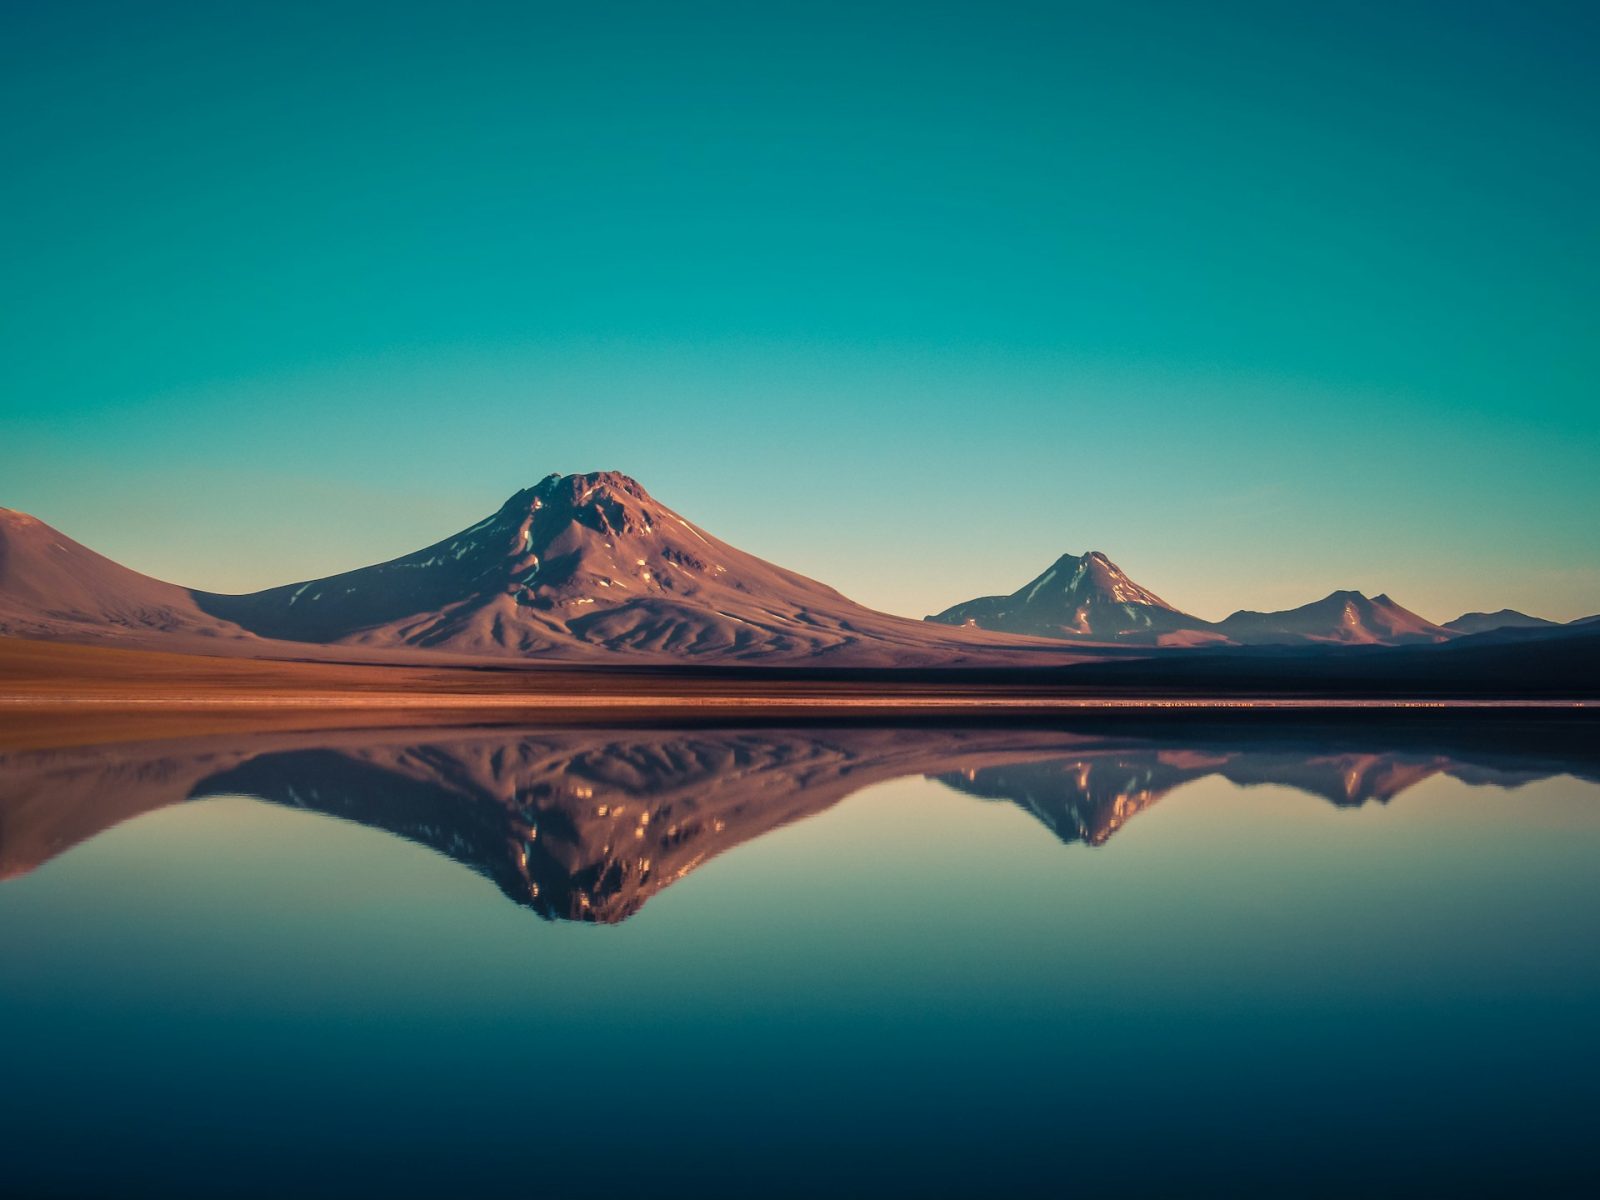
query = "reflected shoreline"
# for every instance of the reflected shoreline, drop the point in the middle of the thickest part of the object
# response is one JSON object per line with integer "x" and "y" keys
{"x": 587, "y": 823}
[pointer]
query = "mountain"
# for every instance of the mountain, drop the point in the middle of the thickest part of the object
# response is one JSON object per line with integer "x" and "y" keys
{"x": 591, "y": 567}
{"x": 577, "y": 567}
{"x": 1082, "y": 596}
{"x": 1340, "y": 618}
{"x": 50, "y": 586}
{"x": 1089, "y": 598}
{"x": 580, "y": 564}
{"x": 1506, "y": 618}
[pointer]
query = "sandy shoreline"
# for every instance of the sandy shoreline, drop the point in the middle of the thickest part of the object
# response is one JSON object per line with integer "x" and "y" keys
{"x": 58, "y": 693}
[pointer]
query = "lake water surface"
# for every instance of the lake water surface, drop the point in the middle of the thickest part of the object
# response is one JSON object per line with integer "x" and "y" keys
{"x": 1260, "y": 957}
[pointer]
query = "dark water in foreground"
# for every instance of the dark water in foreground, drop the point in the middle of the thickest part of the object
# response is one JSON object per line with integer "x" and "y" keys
{"x": 1190, "y": 959}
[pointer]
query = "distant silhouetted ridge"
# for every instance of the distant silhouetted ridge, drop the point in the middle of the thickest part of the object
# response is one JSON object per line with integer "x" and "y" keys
{"x": 1506, "y": 618}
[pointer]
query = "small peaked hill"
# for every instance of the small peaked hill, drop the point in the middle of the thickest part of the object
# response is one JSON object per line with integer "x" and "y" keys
{"x": 1085, "y": 597}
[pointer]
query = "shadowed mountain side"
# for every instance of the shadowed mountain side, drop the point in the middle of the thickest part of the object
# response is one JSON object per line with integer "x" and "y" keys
{"x": 587, "y": 824}
{"x": 1506, "y": 618}
{"x": 1339, "y": 618}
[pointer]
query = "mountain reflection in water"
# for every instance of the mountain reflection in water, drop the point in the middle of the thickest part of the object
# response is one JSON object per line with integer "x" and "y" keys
{"x": 588, "y": 824}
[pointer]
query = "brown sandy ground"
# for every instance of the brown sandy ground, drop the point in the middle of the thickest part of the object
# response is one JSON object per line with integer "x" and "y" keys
{"x": 62, "y": 693}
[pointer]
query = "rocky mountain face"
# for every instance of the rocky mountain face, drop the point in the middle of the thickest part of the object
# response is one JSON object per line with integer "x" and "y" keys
{"x": 592, "y": 564}
{"x": 1088, "y": 598}
{"x": 577, "y": 567}
{"x": 591, "y": 567}
{"x": 1084, "y": 597}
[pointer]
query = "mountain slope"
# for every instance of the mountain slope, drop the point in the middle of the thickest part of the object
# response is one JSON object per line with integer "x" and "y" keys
{"x": 584, "y": 565}
{"x": 1340, "y": 618}
{"x": 591, "y": 568}
{"x": 1088, "y": 598}
{"x": 51, "y": 586}
{"x": 1085, "y": 597}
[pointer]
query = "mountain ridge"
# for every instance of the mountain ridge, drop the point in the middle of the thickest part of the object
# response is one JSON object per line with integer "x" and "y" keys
{"x": 576, "y": 567}
{"x": 50, "y": 583}
{"x": 1089, "y": 598}
{"x": 591, "y": 567}
{"x": 586, "y": 564}
{"x": 1342, "y": 617}
{"x": 1080, "y": 596}
{"x": 1505, "y": 618}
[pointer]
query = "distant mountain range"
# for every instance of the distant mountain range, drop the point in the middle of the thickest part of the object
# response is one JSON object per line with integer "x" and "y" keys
{"x": 586, "y": 567}
{"x": 1088, "y": 598}
{"x": 1506, "y": 618}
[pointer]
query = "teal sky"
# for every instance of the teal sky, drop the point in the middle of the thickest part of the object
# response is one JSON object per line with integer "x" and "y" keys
{"x": 1260, "y": 299}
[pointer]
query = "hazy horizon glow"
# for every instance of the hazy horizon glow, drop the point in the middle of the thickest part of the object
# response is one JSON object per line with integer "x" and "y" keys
{"x": 1261, "y": 301}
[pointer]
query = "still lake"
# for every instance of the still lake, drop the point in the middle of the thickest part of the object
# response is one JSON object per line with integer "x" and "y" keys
{"x": 1188, "y": 957}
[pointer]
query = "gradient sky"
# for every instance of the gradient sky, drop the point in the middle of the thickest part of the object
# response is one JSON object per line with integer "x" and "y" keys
{"x": 1260, "y": 299}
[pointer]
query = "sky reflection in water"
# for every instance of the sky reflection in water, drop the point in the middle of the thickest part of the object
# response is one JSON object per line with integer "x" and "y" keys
{"x": 839, "y": 960}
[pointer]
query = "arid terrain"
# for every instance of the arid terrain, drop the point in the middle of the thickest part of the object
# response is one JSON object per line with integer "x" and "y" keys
{"x": 583, "y": 593}
{"x": 592, "y": 569}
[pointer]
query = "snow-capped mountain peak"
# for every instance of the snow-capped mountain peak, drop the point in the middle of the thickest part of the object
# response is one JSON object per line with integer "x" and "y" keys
{"x": 1079, "y": 596}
